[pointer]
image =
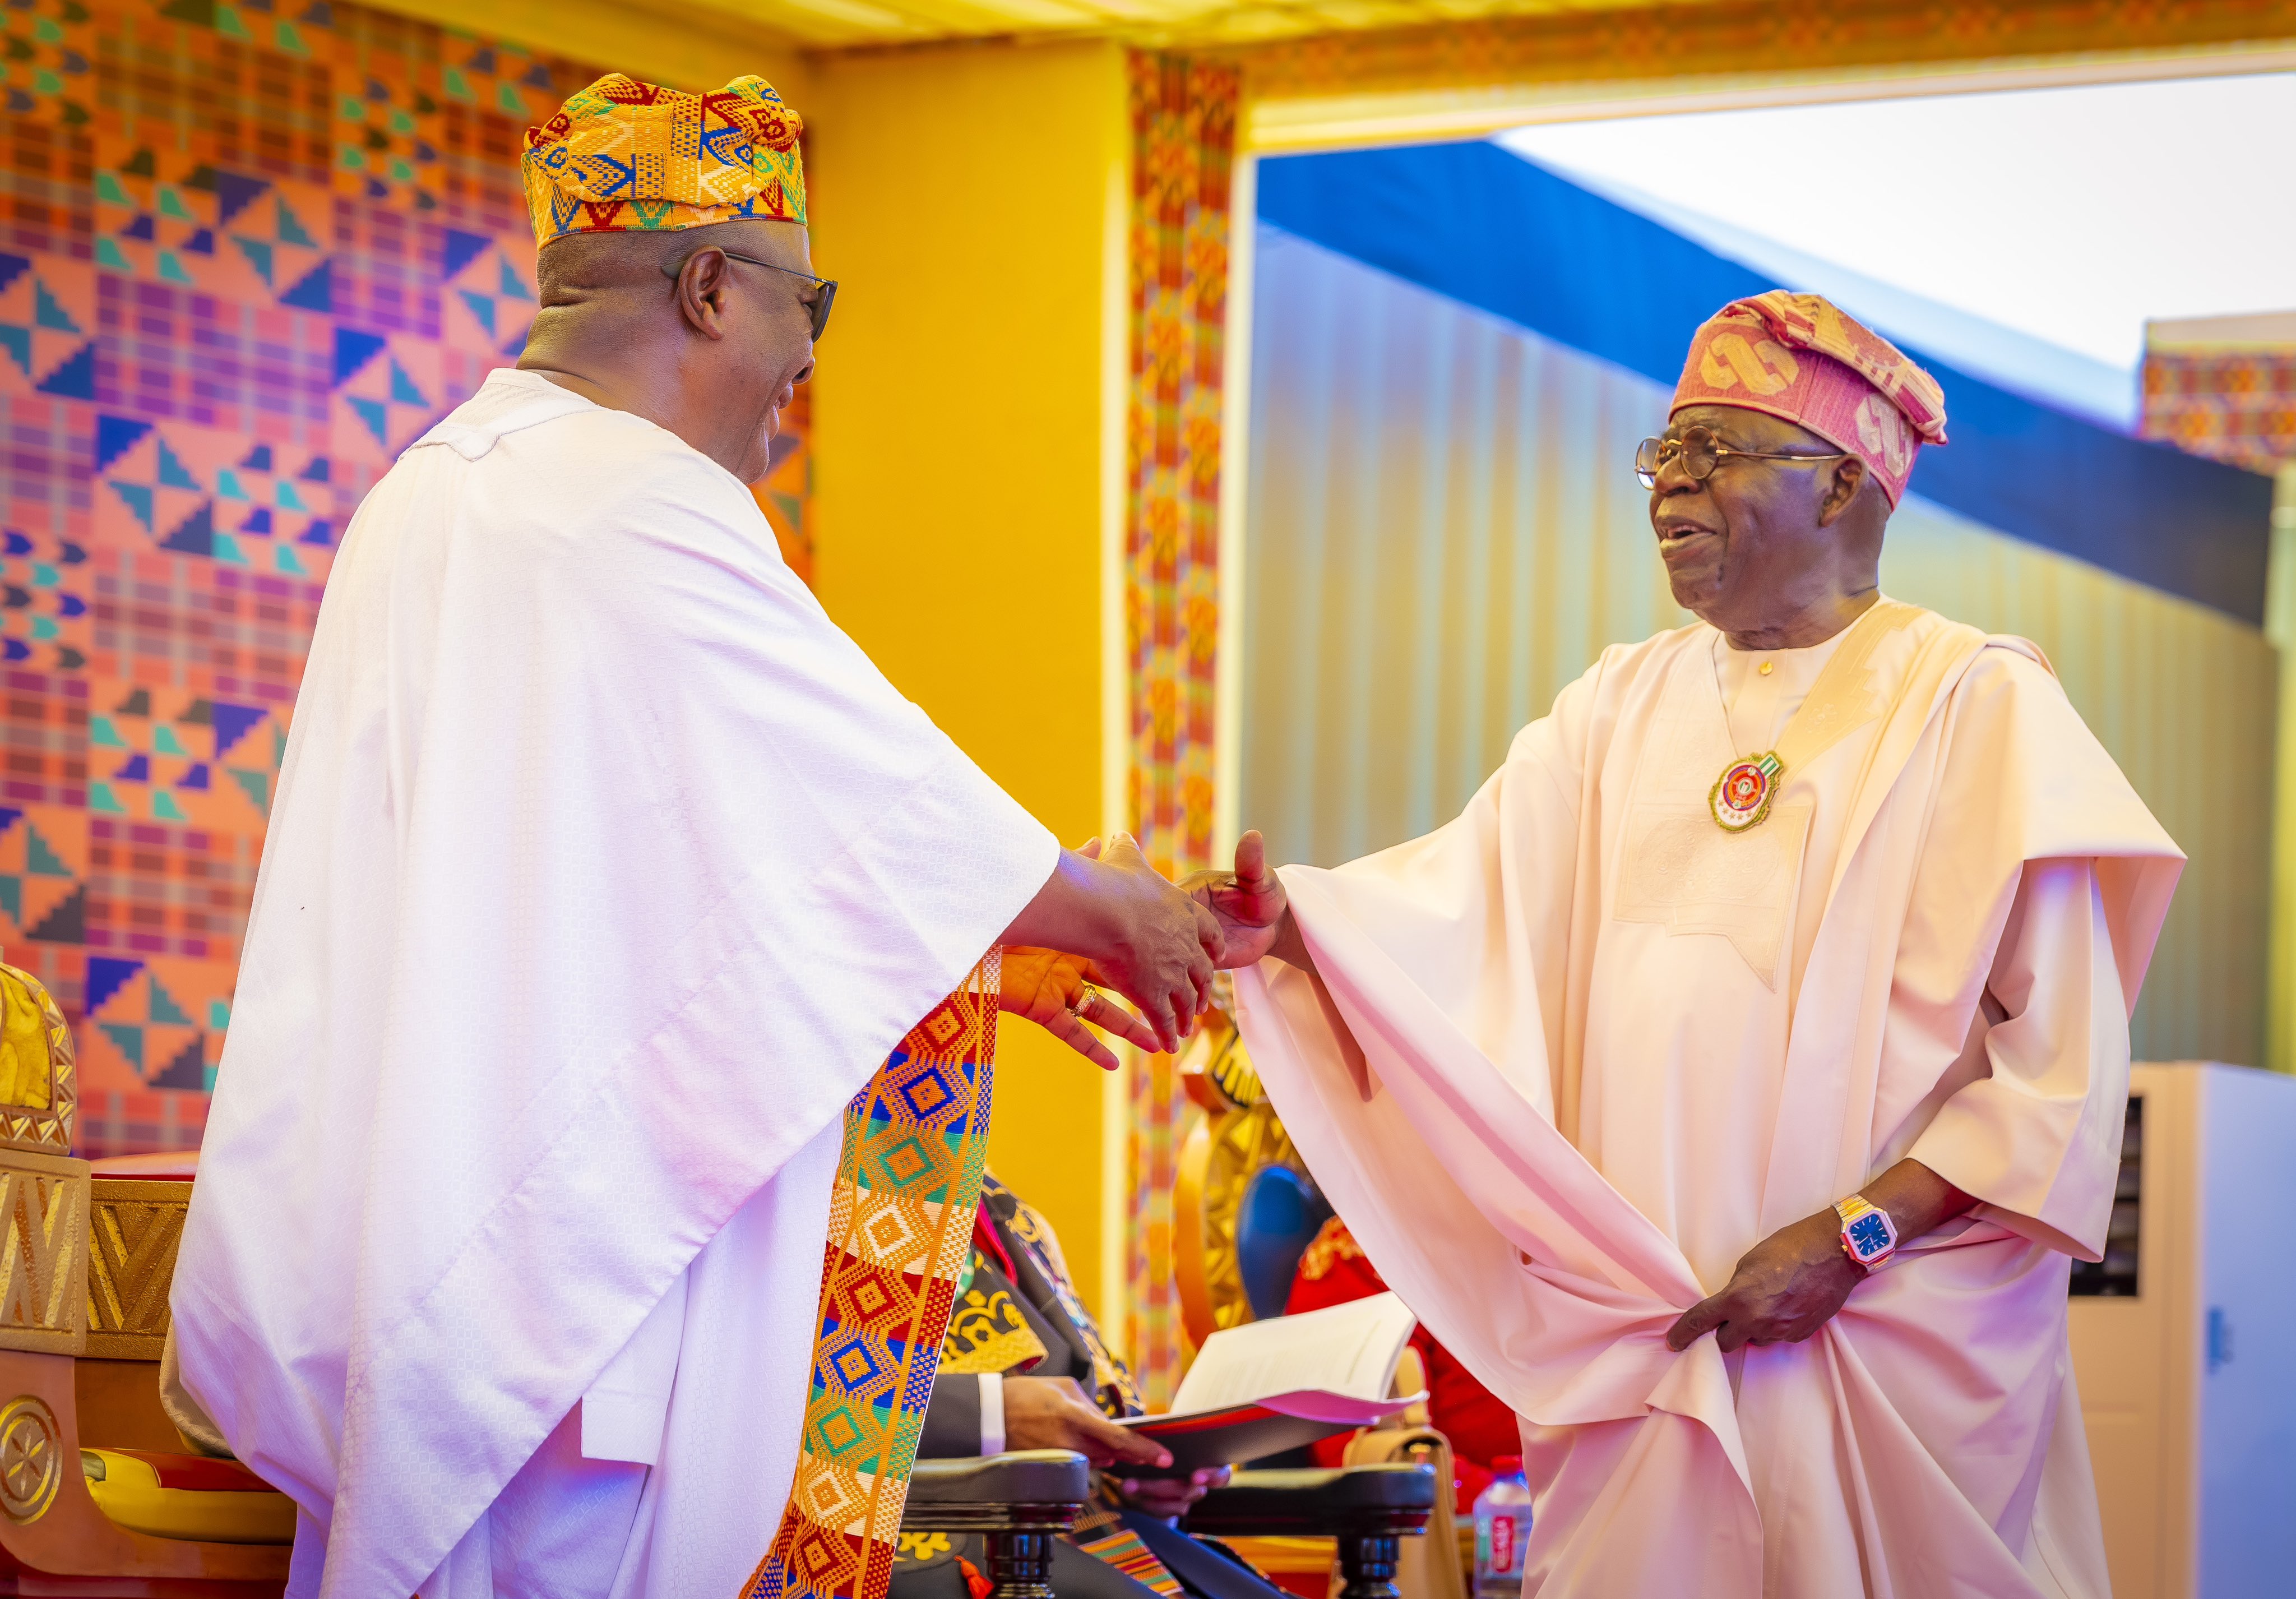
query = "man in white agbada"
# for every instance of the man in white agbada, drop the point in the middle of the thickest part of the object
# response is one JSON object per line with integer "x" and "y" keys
{"x": 605, "y": 870}
{"x": 1824, "y": 902}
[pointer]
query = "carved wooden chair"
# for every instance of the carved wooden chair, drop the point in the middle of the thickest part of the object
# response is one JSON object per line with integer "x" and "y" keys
{"x": 97, "y": 1496}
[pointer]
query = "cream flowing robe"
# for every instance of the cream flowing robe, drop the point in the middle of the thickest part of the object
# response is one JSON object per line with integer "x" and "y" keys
{"x": 604, "y": 872}
{"x": 1575, "y": 1053}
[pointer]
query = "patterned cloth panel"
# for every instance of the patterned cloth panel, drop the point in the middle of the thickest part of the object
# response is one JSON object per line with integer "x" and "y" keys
{"x": 1184, "y": 112}
{"x": 1124, "y": 1550}
{"x": 2237, "y": 405}
{"x": 900, "y": 1234}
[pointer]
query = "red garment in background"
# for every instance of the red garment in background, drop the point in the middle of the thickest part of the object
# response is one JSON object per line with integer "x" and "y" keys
{"x": 1335, "y": 1270}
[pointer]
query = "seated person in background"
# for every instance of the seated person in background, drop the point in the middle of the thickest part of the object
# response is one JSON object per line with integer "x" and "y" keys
{"x": 1333, "y": 1270}
{"x": 1024, "y": 1367}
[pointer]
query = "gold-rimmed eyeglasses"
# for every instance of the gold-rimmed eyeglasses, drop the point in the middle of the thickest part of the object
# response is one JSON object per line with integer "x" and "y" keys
{"x": 1700, "y": 452}
{"x": 824, "y": 289}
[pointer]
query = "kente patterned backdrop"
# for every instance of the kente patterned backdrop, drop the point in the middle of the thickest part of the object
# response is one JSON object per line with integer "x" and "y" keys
{"x": 2237, "y": 405}
{"x": 1471, "y": 73}
{"x": 247, "y": 253}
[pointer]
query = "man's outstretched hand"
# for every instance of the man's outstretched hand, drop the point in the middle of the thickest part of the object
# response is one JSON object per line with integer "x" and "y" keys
{"x": 1254, "y": 913}
{"x": 1146, "y": 939}
{"x": 1055, "y": 991}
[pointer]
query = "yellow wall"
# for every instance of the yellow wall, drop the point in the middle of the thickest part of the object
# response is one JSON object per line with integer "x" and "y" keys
{"x": 969, "y": 202}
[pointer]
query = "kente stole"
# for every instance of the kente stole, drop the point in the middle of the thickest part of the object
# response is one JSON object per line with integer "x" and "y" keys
{"x": 900, "y": 1232}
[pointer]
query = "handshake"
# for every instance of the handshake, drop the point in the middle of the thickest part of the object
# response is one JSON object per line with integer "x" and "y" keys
{"x": 1106, "y": 917}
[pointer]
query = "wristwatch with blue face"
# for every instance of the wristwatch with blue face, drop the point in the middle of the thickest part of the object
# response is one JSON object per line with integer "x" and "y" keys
{"x": 1868, "y": 1235}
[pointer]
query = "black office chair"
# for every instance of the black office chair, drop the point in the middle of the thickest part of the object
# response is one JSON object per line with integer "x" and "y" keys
{"x": 1017, "y": 1502}
{"x": 1366, "y": 1509}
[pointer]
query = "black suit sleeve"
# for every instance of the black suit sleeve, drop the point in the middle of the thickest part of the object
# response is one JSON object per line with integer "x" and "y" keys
{"x": 951, "y": 1419}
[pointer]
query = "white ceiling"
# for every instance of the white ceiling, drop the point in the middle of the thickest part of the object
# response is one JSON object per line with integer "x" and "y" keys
{"x": 2070, "y": 215}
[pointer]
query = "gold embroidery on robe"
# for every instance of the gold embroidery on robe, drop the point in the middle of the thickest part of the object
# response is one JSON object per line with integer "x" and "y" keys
{"x": 986, "y": 1334}
{"x": 922, "y": 1545}
{"x": 1119, "y": 1395}
{"x": 1332, "y": 1244}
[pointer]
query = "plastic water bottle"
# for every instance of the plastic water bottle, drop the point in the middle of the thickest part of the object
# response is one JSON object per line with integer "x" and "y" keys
{"x": 1502, "y": 1528}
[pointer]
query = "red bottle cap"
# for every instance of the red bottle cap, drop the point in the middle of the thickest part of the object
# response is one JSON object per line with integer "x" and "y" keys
{"x": 1506, "y": 1465}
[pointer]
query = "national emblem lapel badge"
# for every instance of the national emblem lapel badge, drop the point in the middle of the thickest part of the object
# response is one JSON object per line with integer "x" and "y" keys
{"x": 1741, "y": 797}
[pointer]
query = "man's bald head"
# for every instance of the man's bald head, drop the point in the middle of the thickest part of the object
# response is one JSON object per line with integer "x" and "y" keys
{"x": 705, "y": 331}
{"x": 579, "y": 267}
{"x": 581, "y": 264}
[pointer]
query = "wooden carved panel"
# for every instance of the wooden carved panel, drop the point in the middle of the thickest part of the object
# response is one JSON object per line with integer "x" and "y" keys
{"x": 31, "y": 1459}
{"x": 43, "y": 1201}
{"x": 132, "y": 1242}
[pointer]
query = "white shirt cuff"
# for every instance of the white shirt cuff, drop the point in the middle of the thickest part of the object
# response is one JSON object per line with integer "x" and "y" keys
{"x": 992, "y": 1413}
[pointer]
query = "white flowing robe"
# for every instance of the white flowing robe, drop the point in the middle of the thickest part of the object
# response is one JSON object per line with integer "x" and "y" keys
{"x": 605, "y": 870}
{"x": 1575, "y": 1053}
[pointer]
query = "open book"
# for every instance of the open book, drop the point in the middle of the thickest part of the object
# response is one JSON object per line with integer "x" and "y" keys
{"x": 1274, "y": 1385}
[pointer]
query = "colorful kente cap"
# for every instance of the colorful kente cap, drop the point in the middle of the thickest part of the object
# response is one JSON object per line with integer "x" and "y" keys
{"x": 623, "y": 156}
{"x": 1800, "y": 358}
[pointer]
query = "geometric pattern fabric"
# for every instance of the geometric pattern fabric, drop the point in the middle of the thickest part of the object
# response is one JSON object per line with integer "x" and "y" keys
{"x": 169, "y": 755}
{"x": 621, "y": 155}
{"x": 900, "y": 1234}
{"x": 198, "y": 491}
{"x": 162, "y": 1019}
{"x": 2233, "y": 406}
{"x": 248, "y": 251}
{"x": 1124, "y": 1550}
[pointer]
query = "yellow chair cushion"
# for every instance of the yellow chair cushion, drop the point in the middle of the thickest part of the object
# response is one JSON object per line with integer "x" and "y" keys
{"x": 188, "y": 1496}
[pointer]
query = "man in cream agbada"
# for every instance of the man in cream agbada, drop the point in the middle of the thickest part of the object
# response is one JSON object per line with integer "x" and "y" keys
{"x": 1731, "y": 1086}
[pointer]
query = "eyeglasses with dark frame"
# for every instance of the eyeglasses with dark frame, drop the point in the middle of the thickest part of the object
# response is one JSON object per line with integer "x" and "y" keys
{"x": 825, "y": 288}
{"x": 1699, "y": 453}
